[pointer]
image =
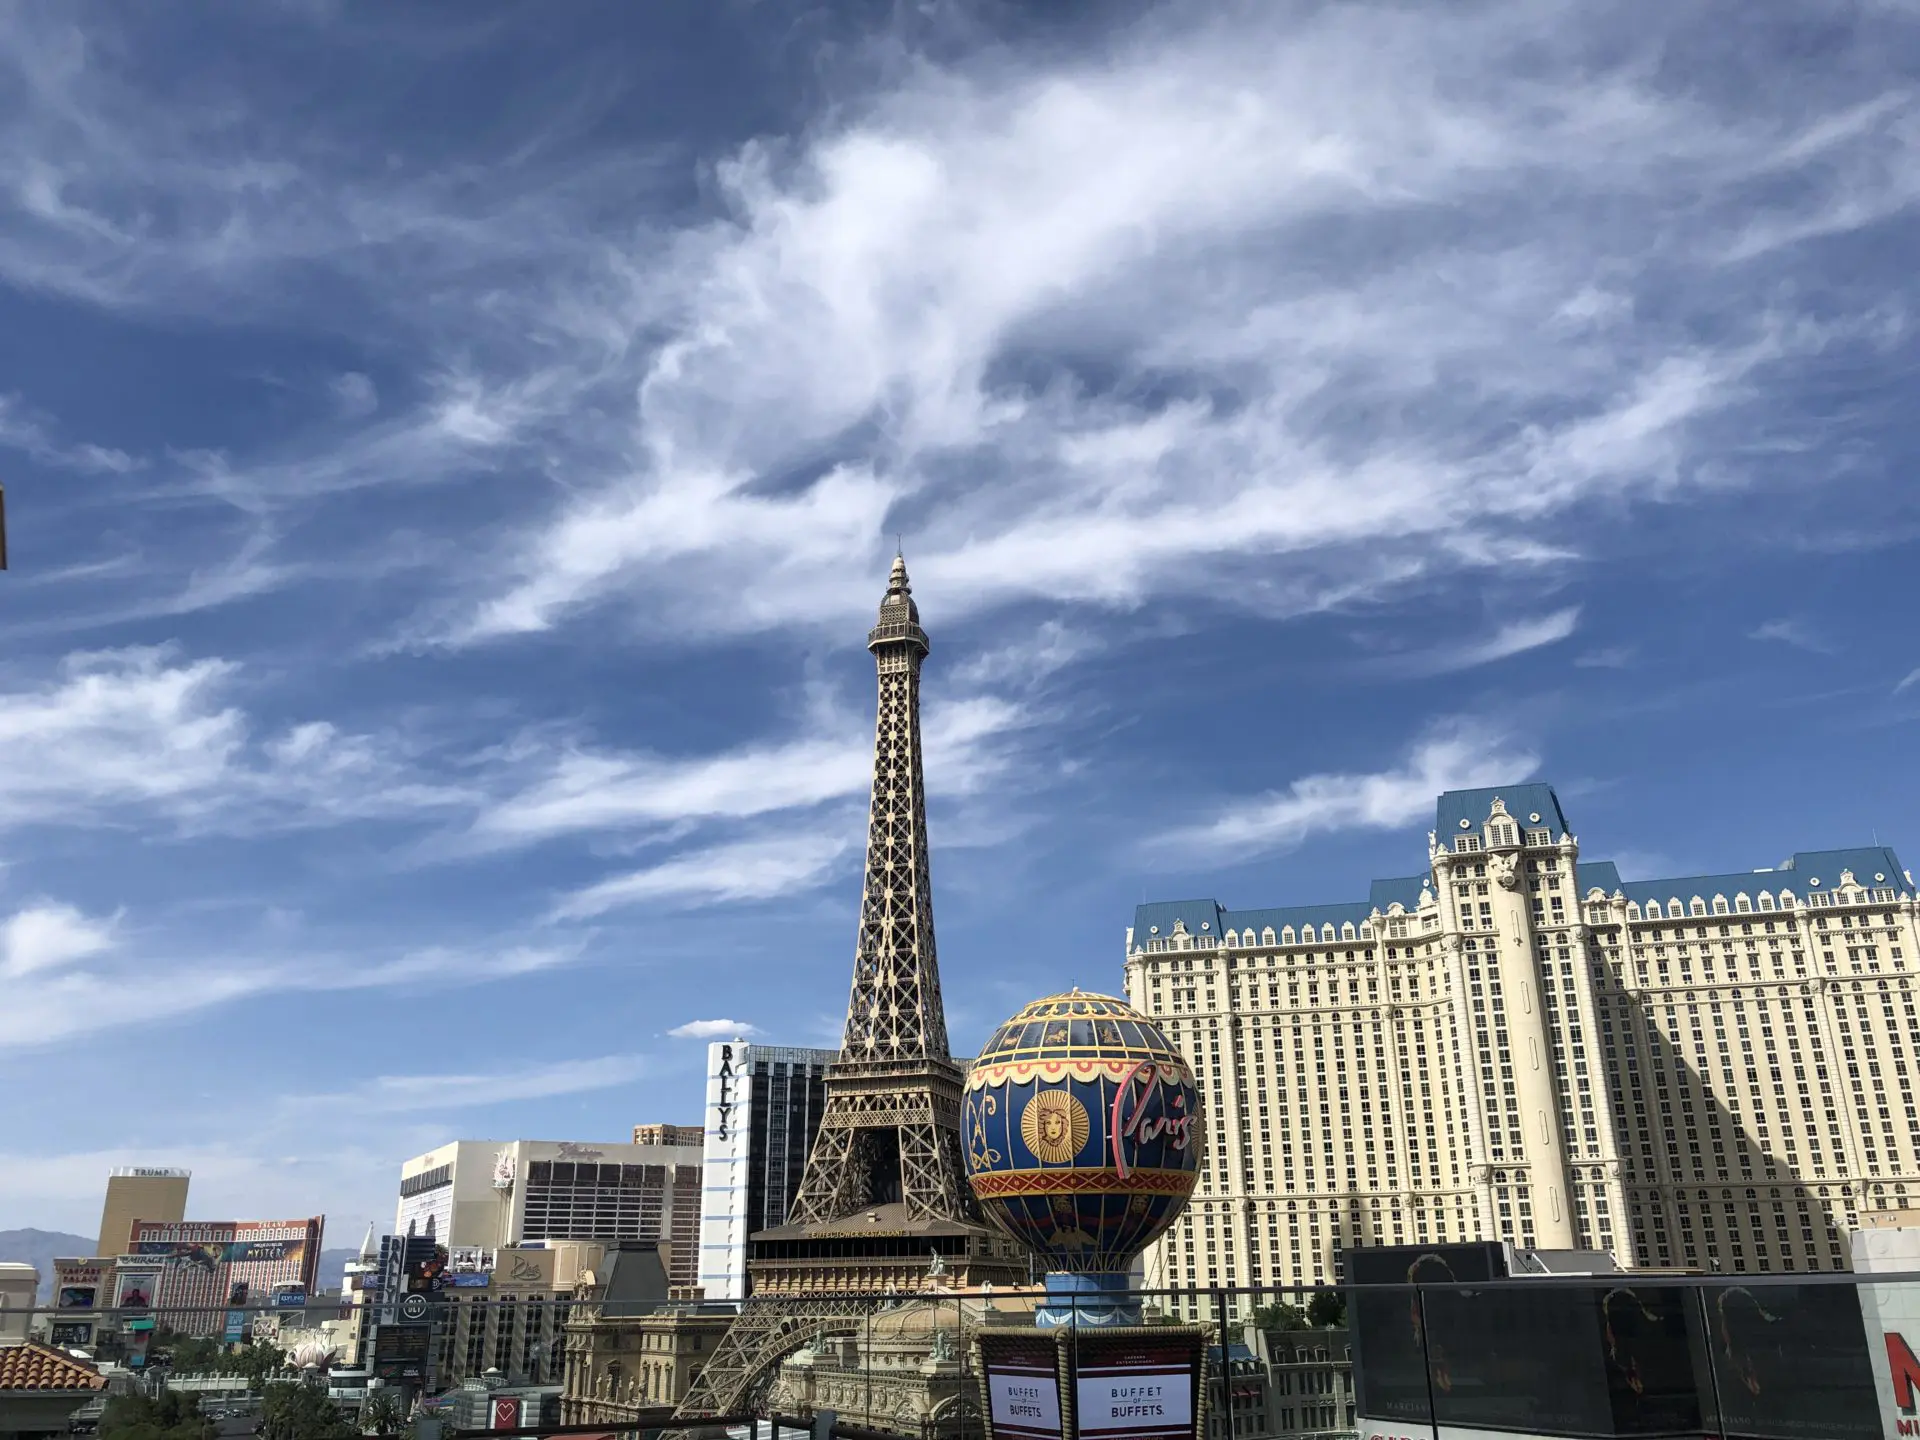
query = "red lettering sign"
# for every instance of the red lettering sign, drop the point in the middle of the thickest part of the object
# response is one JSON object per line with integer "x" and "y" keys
{"x": 1905, "y": 1368}
{"x": 1153, "y": 1113}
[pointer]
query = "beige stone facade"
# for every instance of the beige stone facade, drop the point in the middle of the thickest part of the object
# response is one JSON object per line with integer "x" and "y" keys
{"x": 902, "y": 1371}
{"x": 619, "y": 1365}
{"x": 1517, "y": 1044}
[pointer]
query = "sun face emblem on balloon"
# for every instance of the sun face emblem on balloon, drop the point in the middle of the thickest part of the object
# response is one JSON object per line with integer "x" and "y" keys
{"x": 1054, "y": 1125}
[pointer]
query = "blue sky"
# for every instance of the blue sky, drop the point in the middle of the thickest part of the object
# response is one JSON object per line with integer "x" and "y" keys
{"x": 453, "y": 453}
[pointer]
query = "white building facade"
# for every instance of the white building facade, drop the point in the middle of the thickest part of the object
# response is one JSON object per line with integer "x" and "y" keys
{"x": 491, "y": 1194}
{"x": 763, "y": 1108}
{"x": 1519, "y": 1045}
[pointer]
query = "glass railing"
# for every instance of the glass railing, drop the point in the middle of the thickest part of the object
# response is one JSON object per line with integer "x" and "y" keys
{"x": 1761, "y": 1357}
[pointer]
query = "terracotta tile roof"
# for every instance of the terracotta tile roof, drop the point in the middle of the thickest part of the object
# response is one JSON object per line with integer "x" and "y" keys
{"x": 33, "y": 1366}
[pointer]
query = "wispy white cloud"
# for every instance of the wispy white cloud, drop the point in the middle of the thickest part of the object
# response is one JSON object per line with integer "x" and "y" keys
{"x": 355, "y": 394}
{"x": 31, "y": 434}
{"x": 960, "y": 221}
{"x": 578, "y": 790}
{"x": 1453, "y": 755}
{"x": 713, "y": 1029}
{"x": 736, "y": 872}
{"x": 1515, "y": 637}
{"x": 592, "y": 791}
{"x": 1031, "y": 659}
{"x": 1800, "y": 634}
{"x": 1912, "y": 677}
{"x": 146, "y": 732}
{"x": 68, "y": 975}
{"x": 49, "y": 936}
{"x": 885, "y": 322}
{"x": 447, "y": 1092}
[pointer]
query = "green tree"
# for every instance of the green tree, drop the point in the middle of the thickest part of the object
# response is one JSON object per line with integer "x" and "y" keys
{"x": 1327, "y": 1310}
{"x": 256, "y": 1363}
{"x": 1278, "y": 1316}
{"x": 192, "y": 1354}
{"x": 173, "y": 1416}
{"x": 381, "y": 1414}
{"x": 296, "y": 1411}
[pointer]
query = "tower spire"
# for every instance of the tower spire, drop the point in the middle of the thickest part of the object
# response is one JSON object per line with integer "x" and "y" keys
{"x": 891, "y": 1131}
{"x": 887, "y": 1153}
{"x": 894, "y": 1012}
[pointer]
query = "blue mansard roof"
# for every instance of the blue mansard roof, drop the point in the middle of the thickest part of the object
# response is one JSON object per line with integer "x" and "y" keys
{"x": 1279, "y": 918}
{"x": 1522, "y": 801}
{"x": 1873, "y": 867}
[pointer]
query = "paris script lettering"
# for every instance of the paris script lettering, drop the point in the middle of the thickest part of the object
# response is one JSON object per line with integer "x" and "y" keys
{"x": 1157, "y": 1111}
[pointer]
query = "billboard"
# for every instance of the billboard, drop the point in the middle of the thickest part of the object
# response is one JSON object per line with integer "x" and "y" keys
{"x": 1390, "y": 1340}
{"x": 1624, "y": 1361}
{"x": 207, "y": 1266}
{"x": 1137, "y": 1387}
{"x": 1791, "y": 1361}
{"x": 400, "y": 1352}
{"x": 236, "y": 1326}
{"x": 136, "y": 1290}
{"x": 73, "y": 1332}
{"x": 506, "y": 1413}
{"x": 210, "y": 1255}
{"x": 518, "y": 1266}
{"x": 79, "y": 1286}
{"x": 1892, "y": 1317}
{"x": 1021, "y": 1375}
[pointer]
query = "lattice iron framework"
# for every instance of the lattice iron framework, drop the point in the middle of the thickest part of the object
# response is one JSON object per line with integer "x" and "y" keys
{"x": 767, "y": 1330}
{"x": 893, "y": 1097}
{"x": 890, "y": 1133}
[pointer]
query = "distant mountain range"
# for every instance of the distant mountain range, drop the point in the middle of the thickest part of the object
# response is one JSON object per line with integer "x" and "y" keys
{"x": 39, "y": 1247}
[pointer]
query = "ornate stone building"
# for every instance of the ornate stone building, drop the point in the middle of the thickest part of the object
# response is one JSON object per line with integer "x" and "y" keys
{"x": 620, "y": 1365}
{"x": 903, "y": 1371}
{"x": 1519, "y": 1044}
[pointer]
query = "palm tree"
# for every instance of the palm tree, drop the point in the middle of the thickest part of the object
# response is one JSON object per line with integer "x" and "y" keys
{"x": 381, "y": 1414}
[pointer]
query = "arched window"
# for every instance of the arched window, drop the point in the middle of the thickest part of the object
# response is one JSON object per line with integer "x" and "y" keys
{"x": 1266, "y": 936}
{"x": 1719, "y": 904}
{"x": 1633, "y": 910}
{"x": 1699, "y": 906}
{"x": 1287, "y": 936}
{"x": 1766, "y": 901}
{"x": 1327, "y": 934}
{"x": 1232, "y": 937}
{"x": 1346, "y": 931}
{"x": 1742, "y": 903}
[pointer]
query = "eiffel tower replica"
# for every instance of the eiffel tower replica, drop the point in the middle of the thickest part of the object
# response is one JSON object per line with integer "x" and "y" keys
{"x": 883, "y": 1210}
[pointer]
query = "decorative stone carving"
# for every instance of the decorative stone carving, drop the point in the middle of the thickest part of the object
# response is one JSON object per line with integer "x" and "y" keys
{"x": 1502, "y": 868}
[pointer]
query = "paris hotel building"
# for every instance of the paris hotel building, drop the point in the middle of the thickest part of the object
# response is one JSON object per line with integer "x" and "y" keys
{"x": 1708, "y": 1072}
